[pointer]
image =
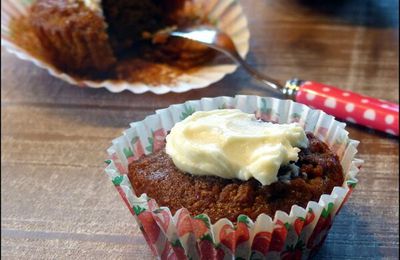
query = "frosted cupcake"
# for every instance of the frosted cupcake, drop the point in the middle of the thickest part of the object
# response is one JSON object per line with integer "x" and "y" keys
{"x": 237, "y": 186}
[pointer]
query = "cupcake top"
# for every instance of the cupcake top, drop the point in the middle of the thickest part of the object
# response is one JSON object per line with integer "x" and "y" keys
{"x": 231, "y": 144}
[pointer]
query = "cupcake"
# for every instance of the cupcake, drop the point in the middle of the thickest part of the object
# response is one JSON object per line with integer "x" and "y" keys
{"x": 90, "y": 37}
{"x": 205, "y": 182}
{"x": 122, "y": 44}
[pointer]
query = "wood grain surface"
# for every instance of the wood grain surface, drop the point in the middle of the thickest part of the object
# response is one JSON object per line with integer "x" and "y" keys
{"x": 58, "y": 204}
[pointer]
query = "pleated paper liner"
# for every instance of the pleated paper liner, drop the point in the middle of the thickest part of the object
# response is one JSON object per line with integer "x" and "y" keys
{"x": 182, "y": 236}
{"x": 226, "y": 14}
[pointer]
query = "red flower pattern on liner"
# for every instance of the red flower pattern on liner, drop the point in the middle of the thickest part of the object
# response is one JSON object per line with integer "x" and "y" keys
{"x": 321, "y": 228}
{"x": 278, "y": 236}
{"x": 184, "y": 224}
{"x": 163, "y": 218}
{"x": 156, "y": 141}
{"x": 310, "y": 216}
{"x": 261, "y": 242}
{"x": 173, "y": 251}
{"x": 137, "y": 148}
{"x": 149, "y": 224}
{"x": 232, "y": 237}
{"x": 200, "y": 226}
{"x": 207, "y": 249}
{"x": 298, "y": 225}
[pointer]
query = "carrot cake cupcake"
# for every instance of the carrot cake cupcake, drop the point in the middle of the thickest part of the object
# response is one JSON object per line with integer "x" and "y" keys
{"x": 225, "y": 163}
{"x": 220, "y": 183}
{"x": 91, "y": 37}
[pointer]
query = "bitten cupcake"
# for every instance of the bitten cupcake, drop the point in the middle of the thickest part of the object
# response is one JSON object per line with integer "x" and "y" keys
{"x": 91, "y": 37}
{"x": 224, "y": 183}
{"x": 123, "y": 44}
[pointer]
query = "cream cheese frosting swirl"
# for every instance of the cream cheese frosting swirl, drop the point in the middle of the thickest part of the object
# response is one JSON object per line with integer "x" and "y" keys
{"x": 232, "y": 144}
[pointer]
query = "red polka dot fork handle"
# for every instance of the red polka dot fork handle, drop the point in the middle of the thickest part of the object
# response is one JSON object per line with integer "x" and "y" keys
{"x": 355, "y": 108}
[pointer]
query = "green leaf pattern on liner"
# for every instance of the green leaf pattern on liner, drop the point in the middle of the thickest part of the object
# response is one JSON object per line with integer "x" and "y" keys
{"x": 177, "y": 243}
{"x": 155, "y": 140}
{"x": 327, "y": 211}
{"x": 205, "y": 219}
{"x": 188, "y": 110}
{"x": 208, "y": 237}
{"x": 117, "y": 180}
{"x": 107, "y": 161}
{"x": 244, "y": 219}
{"x": 138, "y": 210}
{"x": 149, "y": 148}
{"x": 351, "y": 183}
{"x": 287, "y": 225}
{"x": 128, "y": 152}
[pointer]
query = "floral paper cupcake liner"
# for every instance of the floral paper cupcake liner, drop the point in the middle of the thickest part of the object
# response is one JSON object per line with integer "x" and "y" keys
{"x": 227, "y": 15}
{"x": 296, "y": 235}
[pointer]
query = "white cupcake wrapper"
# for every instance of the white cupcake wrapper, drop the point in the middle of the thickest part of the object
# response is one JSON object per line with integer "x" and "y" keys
{"x": 227, "y": 14}
{"x": 298, "y": 234}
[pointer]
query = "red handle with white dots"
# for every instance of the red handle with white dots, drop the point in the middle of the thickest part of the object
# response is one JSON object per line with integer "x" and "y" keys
{"x": 355, "y": 108}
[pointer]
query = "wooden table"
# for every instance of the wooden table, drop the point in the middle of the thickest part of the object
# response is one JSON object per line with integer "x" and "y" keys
{"x": 57, "y": 203}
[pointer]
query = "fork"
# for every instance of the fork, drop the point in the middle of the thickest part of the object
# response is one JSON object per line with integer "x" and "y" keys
{"x": 355, "y": 108}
